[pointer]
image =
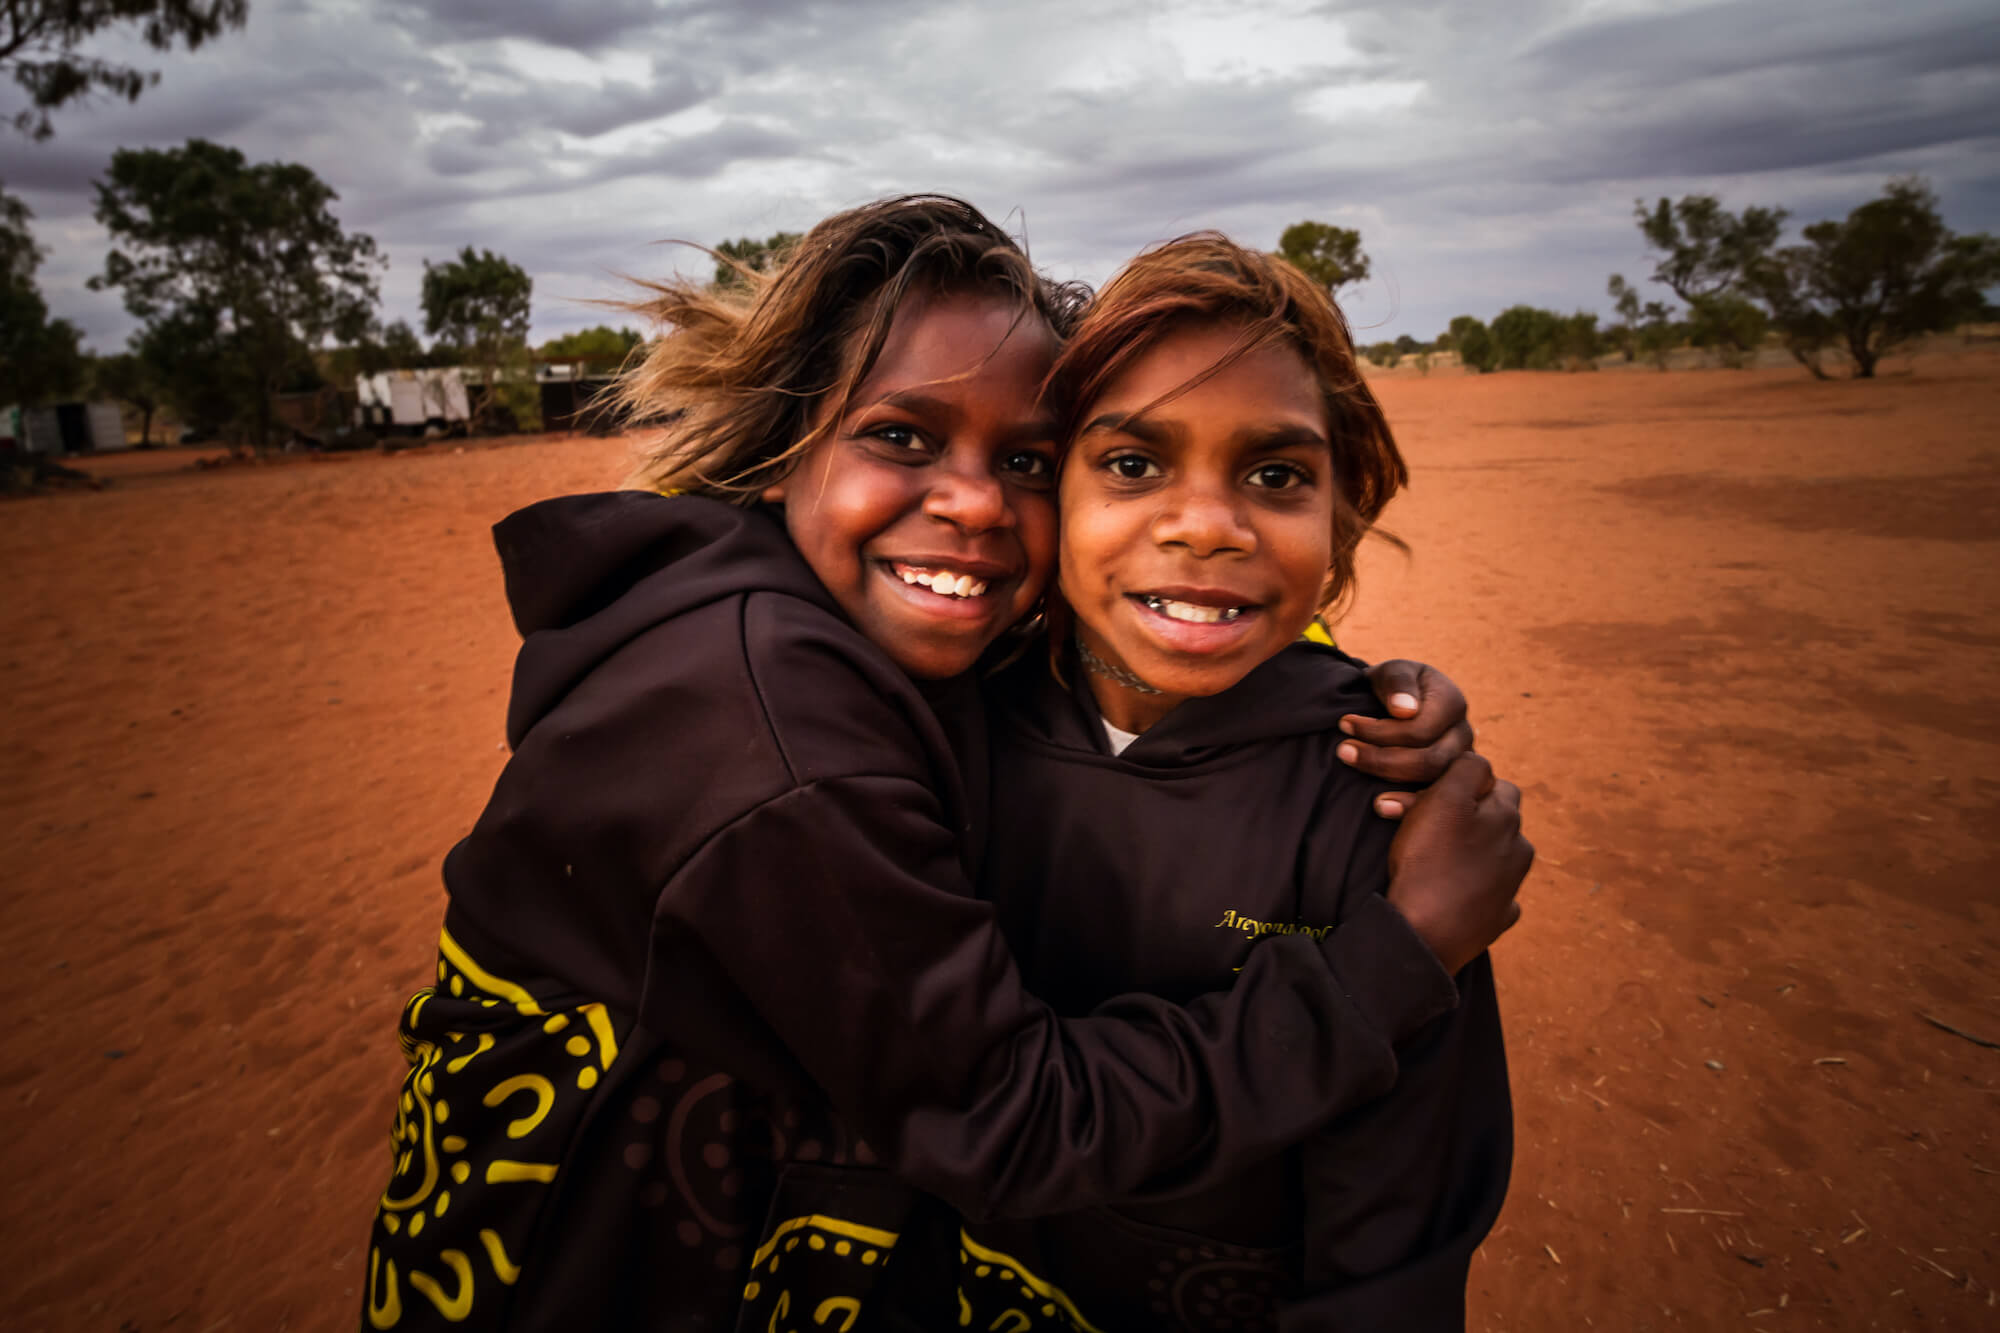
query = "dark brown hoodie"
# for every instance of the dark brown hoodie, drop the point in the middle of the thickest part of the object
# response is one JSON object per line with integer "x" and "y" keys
{"x": 713, "y": 930}
{"x": 1227, "y": 827}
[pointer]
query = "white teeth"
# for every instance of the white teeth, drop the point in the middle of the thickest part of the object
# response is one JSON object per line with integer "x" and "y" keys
{"x": 1193, "y": 613}
{"x": 942, "y": 582}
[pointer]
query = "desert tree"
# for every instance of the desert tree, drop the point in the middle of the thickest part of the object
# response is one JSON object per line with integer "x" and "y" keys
{"x": 747, "y": 253}
{"x": 245, "y": 258}
{"x": 39, "y": 41}
{"x": 1644, "y": 329}
{"x": 600, "y": 345}
{"x": 1706, "y": 256}
{"x": 192, "y": 363}
{"x": 1624, "y": 335}
{"x": 401, "y": 348}
{"x": 480, "y": 302}
{"x": 1731, "y": 326}
{"x": 1474, "y": 344}
{"x": 1331, "y": 256}
{"x": 1890, "y": 272}
{"x": 40, "y": 358}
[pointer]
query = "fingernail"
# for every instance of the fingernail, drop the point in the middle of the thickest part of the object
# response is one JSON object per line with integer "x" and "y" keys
{"x": 1347, "y": 725}
{"x": 1406, "y": 702}
{"x": 1385, "y": 806}
{"x": 1348, "y": 753}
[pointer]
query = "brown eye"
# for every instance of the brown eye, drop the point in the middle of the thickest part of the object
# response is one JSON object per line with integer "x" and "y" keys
{"x": 1029, "y": 467}
{"x": 1132, "y": 467}
{"x": 1279, "y": 476}
{"x": 895, "y": 435}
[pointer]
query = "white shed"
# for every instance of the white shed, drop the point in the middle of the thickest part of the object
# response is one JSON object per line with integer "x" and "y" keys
{"x": 415, "y": 397}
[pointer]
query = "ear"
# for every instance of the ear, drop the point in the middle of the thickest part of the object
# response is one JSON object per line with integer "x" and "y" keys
{"x": 774, "y": 494}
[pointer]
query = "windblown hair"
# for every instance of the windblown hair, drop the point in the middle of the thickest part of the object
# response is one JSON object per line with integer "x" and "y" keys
{"x": 1206, "y": 279}
{"x": 740, "y": 379}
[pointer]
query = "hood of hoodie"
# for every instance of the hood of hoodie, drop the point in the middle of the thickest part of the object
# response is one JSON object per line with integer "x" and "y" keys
{"x": 587, "y": 574}
{"x": 1307, "y": 687}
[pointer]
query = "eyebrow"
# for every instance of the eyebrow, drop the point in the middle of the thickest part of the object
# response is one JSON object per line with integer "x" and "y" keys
{"x": 1283, "y": 437}
{"x": 918, "y": 403}
{"x": 1144, "y": 428}
{"x": 1138, "y": 426}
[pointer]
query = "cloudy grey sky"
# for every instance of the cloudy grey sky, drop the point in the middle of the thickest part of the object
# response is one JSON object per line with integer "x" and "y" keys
{"x": 1488, "y": 150}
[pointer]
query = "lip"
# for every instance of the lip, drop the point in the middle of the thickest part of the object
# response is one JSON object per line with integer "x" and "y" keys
{"x": 1220, "y": 598}
{"x": 1185, "y": 637}
{"x": 987, "y": 606}
{"x": 992, "y": 571}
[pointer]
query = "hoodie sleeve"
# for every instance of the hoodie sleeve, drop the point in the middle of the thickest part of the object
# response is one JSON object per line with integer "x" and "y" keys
{"x": 841, "y": 912}
{"x": 1399, "y": 1193}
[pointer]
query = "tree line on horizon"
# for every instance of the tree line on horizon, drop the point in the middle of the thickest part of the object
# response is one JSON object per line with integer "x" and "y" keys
{"x": 1887, "y": 274}
{"x": 246, "y": 286}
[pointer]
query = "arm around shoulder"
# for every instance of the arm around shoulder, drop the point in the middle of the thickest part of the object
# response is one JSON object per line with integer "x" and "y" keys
{"x": 841, "y": 913}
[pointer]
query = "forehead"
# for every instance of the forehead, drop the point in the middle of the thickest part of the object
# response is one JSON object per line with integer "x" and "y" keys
{"x": 1272, "y": 383}
{"x": 960, "y": 343}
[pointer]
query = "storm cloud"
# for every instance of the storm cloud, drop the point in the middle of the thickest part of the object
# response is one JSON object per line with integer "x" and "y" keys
{"x": 1489, "y": 152}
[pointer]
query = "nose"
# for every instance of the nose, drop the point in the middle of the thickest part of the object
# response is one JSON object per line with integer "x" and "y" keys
{"x": 1204, "y": 520}
{"x": 968, "y": 497}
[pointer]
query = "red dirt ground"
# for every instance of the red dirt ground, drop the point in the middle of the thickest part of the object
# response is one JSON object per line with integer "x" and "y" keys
{"x": 1732, "y": 633}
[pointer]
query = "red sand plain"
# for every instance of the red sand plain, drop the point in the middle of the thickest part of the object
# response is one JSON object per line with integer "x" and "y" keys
{"x": 1733, "y": 633}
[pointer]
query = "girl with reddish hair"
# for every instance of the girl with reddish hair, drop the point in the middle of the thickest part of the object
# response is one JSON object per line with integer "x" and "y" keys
{"x": 1175, "y": 757}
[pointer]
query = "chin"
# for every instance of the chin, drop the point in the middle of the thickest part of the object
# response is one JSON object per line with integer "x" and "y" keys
{"x": 1194, "y": 682}
{"x": 936, "y": 666}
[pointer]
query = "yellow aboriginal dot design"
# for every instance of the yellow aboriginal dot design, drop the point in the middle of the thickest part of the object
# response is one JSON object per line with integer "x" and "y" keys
{"x": 446, "y": 1267}
{"x": 484, "y": 1045}
{"x": 837, "y": 1305}
{"x": 817, "y": 1242}
{"x": 1054, "y": 1303}
{"x": 496, "y": 1254}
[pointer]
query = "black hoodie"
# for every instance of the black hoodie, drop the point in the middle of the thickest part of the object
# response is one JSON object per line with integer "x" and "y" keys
{"x": 1229, "y": 823}
{"x": 713, "y": 928}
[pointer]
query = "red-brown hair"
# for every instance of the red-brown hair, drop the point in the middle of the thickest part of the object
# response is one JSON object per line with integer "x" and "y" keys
{"x": 741, "y": 374}
{"x": 1205, "y": 279}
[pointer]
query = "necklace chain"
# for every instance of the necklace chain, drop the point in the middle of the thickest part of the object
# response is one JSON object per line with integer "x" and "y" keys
{"x": 1116, "y": 674}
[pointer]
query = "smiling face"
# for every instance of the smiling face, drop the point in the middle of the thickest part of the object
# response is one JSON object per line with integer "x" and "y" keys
{"x": 1197, "y": 531}
{"x": 927, "y": 509}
